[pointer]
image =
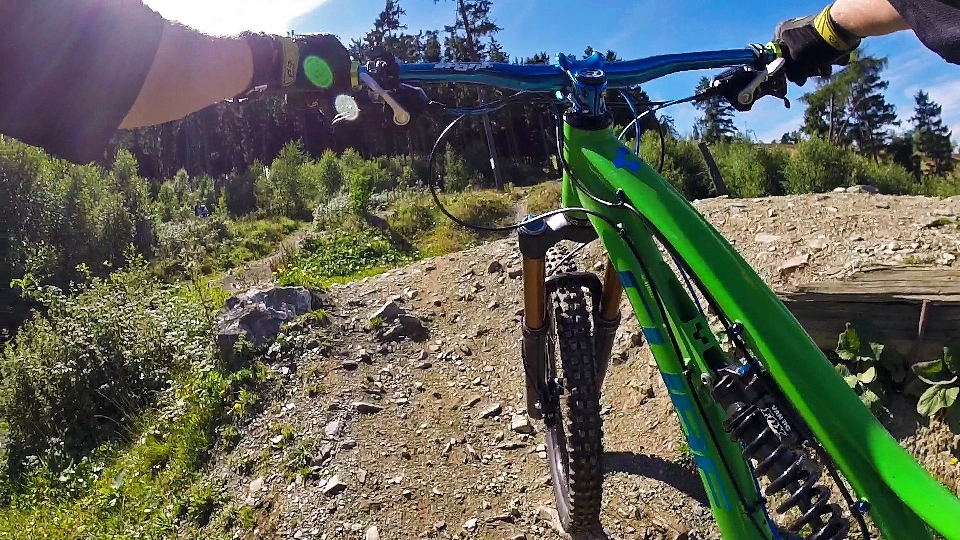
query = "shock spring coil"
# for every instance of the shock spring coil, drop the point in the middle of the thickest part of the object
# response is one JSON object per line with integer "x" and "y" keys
{"x": 758, "y": 424}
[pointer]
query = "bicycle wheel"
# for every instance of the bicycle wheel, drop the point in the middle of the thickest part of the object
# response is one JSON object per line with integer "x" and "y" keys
{"x": 574, "y": 434}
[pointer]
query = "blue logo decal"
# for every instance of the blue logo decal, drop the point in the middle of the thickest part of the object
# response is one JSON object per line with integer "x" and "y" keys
{"x": 621, "y": 161}
{"x": 653, "y": 336}
{"x": 696, "y": 440}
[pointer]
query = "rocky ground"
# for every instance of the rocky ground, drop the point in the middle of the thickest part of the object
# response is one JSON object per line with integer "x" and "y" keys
{"x": 413, "y": 426}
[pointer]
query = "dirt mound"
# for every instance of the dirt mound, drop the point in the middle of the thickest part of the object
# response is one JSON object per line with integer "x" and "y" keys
{"x": 375, "y": 438}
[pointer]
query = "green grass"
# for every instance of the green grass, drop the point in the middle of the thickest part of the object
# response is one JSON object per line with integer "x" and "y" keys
{"x": 216, "y": 245}
{"x": 418, "y": 220}
{"x": 152, "y": 487}
{"x": 254, "y": 239}
{"x": 543, "y": 198}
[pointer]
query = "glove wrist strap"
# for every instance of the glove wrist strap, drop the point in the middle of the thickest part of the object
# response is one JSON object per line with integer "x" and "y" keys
{"x": 267, "y": 53}
{"x": 837, "y": 36}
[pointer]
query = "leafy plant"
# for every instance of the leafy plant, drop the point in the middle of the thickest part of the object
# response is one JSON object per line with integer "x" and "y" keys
{"x": 943, "y": 377}
{"x": 867, "y": 367}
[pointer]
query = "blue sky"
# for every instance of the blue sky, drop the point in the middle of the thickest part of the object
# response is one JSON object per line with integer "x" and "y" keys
{"x": 633, "y": 28}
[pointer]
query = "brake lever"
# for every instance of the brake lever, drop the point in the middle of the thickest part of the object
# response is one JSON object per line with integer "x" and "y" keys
{"x": 768, "y": 81}
{"x": 401, "y": 116}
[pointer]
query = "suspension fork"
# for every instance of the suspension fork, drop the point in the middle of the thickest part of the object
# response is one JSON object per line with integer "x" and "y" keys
{"x": 535, "y": 239}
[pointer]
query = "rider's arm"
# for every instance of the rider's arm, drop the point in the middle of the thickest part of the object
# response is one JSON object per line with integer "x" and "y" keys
{"x": 865, "y": 18}
{"x": 189, "y": 72}
{"x": 936, "y": 23}
{"x": 73, "y": 71}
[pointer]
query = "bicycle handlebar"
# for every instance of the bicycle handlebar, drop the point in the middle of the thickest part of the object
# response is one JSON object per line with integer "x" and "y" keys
{"x": 549, "y": 78}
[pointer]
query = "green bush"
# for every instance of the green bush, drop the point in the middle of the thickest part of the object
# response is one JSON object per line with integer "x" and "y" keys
{"x": 544, "y": 198}
{"x": 78, "y": 375}
{"x": 889, "y": 178}
{"x": 456, "y": 177}
{"x": 750, "y": 170}
{"x": 683, "y": 165}
{"x": 284, "y": 191}
{"x": 818, "y": 166}
{"x": 363, "y": 180}
{"x": 330, "y": 173}
{"x": 413, "y": 216}
{"x": 486, "y": 208}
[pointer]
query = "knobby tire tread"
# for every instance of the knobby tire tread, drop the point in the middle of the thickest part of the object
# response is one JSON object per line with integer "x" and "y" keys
{"x": 579, "y": 418}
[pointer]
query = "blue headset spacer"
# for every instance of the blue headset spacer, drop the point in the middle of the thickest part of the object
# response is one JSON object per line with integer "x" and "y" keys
{"x": 532, "y": 225}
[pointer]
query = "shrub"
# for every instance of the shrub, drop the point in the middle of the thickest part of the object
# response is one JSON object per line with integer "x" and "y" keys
{"x": 889, "y": 178}
{"x": 76, "y": 376}
{"x": 341, "y": 253}
{"x": 683, "y": 165}
{"x": 544, "y": 198}
{"x": 487, "y": 208}
{"x": 750, "y": 170}
{"x": 818, "y": 166}
{"x": 455, "y": 175}
{"x": 363, "y": 179}
{"x": 330, "y": 173}
{"x": 284, "y": 192}
{"x": 413, "y": 216}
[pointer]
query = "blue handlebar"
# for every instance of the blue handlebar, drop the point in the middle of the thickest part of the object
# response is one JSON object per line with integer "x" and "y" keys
{"x": 549, "y": 78}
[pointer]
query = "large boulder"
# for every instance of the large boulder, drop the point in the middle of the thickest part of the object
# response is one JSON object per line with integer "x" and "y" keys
{"x": 258, "y": 315}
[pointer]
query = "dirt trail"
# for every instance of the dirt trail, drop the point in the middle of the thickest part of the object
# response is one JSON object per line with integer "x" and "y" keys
{"x": 261, "y": 271}
{"x": 416, "y": 439}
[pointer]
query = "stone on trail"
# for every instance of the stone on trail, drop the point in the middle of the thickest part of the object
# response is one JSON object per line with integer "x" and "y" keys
{"x": 793, "y": 263}
{"x": 388, "y": 311}
{"x": 372, "y": 533}
{"x": 258, "y": 314}
{"x": 470, "y": 524}
{"x": 491, "y": 411}
{"x": 521, "y": 424}
{"x": 495, "y": 268}
{"x": 334, "y": 486}
{"x": 363, "y": 407}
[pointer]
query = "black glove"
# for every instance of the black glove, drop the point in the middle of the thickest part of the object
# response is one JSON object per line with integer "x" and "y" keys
{"x": 811, "y": 45}
{"x": 313, "y": 63}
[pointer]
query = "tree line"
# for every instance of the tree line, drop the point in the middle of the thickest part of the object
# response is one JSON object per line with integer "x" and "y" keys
{"x": 849, "y": 109}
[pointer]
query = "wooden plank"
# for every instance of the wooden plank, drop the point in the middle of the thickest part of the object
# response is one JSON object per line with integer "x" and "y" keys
{"x": 886, "y": 303}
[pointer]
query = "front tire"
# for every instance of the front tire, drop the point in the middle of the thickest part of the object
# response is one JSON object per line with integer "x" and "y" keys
{"x": 574, "y": 432}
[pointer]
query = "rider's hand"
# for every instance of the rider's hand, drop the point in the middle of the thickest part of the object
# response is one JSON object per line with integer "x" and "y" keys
{"x": 312, "y": 63}
{"x": 811, "y": 45}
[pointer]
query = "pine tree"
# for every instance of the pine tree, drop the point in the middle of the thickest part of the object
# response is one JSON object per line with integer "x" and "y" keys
{"x": 870, "y": 113}
{"x": 849, "y": 108}
{"x": 464, "y": 40}
{"x": 716, "y": 124}
{"x": 901, "y": 151}
{"x": 931, "y": 139}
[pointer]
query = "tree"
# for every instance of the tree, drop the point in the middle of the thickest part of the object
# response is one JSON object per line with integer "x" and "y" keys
{"x": 931, "y": 139}
{"x": 716, "y": 124}
{"x": 901, "y": 151}
{"x": 464, "y": 40}
{"x": 849, "y": 108}
{"x": 870, "y": 114}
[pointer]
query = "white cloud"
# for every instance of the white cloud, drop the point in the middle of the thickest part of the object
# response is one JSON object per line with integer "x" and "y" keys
{"x": 223, "y": 17}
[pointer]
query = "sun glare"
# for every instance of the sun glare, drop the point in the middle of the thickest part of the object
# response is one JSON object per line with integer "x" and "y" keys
{"x": 224, "y": 17}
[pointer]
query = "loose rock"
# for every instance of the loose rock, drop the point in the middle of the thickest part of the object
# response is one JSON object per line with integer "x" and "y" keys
{"x": 363, "y": 407}
{"x": 491, "y": 411}
{"x": 334, "y": 486}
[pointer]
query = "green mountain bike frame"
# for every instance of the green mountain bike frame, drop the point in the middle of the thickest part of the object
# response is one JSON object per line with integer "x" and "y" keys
{"x": 630, "y": 207}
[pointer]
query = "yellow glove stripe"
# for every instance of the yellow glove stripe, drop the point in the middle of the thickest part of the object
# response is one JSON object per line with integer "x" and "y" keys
{"x": 828, "y": 31}
{"x": 291, "y": 62}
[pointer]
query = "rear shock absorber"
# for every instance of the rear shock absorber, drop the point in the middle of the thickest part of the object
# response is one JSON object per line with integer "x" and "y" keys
{"x": 756, "y": 422}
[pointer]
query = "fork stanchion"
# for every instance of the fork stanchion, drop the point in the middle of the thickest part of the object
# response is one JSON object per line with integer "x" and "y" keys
{"x": 606, "y": 325}
{"x": 535, "y": 334}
